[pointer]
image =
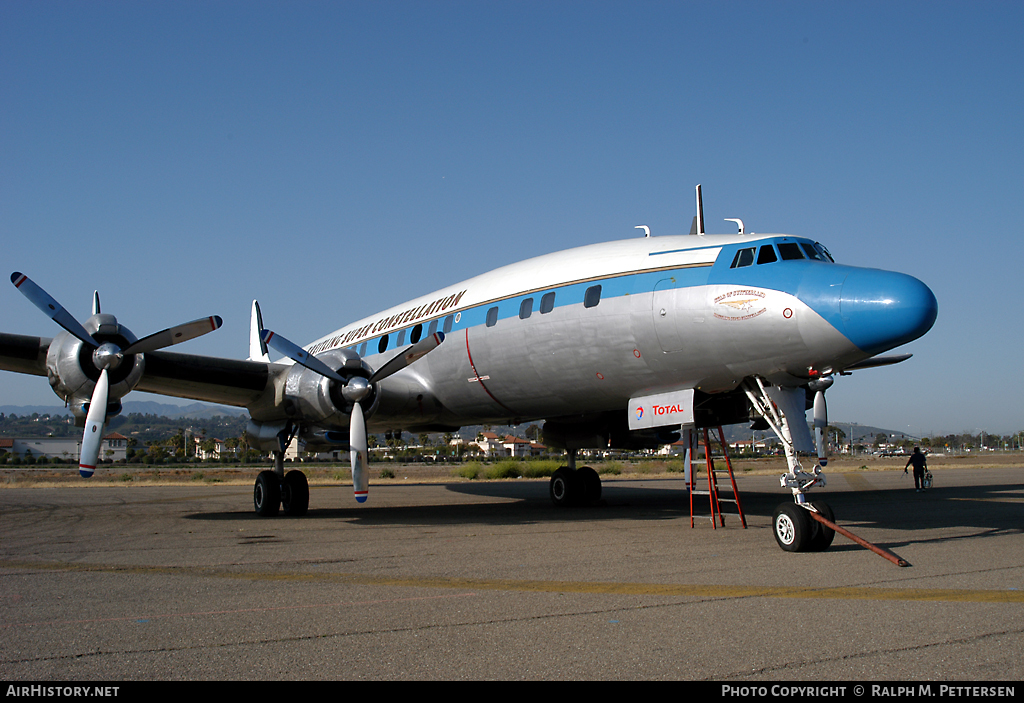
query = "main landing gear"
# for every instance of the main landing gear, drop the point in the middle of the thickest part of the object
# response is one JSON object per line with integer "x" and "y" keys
{"x": 277, "y": 491}
{"x": 573, "y": 487}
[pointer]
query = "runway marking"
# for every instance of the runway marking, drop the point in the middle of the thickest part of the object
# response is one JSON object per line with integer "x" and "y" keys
{"x": 708, "y": 591}
{"x": 858, "y": 482}
{"x": 992, "y": 500}
{"x": 208, "y": 613}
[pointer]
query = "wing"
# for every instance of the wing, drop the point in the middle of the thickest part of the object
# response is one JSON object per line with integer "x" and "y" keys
{"x": 205, "y": 378}
{"x": 23, "y": 354}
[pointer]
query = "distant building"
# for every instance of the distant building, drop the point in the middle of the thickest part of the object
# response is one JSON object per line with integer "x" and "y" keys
{"x": 112, "y": 447}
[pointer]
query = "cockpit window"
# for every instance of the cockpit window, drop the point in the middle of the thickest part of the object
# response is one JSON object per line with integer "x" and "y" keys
{"x": 744, "y": 257}
{"x": 767, "y": 255}
{"x": 811, "y": 252}
{"x": 790, "y": 251}
{"x": 820, "y": 247}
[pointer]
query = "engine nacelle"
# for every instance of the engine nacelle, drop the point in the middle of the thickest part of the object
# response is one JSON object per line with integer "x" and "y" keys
{"x": 268, "y": 436}
{"x": 72, "y": 371}
{"x": 315, "y": 399}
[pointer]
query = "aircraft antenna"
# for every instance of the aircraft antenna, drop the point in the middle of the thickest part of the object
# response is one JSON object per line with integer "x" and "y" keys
{"x": 645, "y": 228}
{"x": 699, "y": 219}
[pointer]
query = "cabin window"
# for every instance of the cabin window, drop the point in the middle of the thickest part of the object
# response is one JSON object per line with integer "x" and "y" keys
{"x": 401, "y": 339}
{"x": 526, "y": 308}
{"x": 744, "y": 257}
{"x": 790, "y": 251}
{"x": 547, "y": 303}
{"x": 416, "y": 333}
{"x": 433, "y": 328}
{"x": 361, "y": 350}
{"x": 767, "y": 255}
{"x": 448, "y": 321}
{"x": 492, "y": 316}
{"x": 383, "y": 345}
{"x": 592, "y": 297}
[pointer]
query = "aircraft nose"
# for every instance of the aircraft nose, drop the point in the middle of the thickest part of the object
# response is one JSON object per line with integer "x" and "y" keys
{"x": 881, "y": 310}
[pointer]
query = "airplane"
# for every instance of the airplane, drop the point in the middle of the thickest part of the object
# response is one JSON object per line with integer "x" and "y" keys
{"x": 626, "y": 344}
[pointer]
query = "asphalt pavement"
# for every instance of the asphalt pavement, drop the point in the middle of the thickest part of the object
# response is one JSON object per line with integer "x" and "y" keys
{"x": 487, "y": 580}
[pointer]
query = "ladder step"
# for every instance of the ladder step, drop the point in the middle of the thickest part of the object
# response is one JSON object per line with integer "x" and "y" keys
{"x": 712, "y": 471}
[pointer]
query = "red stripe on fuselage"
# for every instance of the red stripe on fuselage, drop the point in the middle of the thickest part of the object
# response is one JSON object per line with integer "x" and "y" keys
{"x": 479, "y": 379}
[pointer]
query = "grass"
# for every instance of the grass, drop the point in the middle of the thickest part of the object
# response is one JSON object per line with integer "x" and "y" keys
{"x": 507, "y": 468}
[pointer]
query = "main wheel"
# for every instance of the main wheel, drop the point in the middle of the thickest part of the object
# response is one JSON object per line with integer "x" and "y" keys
{"x": 792, "y": 528}
{"x": 591, "y": 484}
{"x": 266, "y": 496}
{"x": 295, "y": 494}
{"x": 821, "y": 535}
{"x": 565, "y": 488}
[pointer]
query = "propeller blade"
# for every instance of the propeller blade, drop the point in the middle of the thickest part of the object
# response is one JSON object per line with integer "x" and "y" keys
{"x": 94, "y": 426}
{"x": 875, "y": 361}
{"x": 299, "y": 355}
{"x": 257, "y": 347}
{"x": 357, "y": 446}
{"x": 175, "y": 335}
{"x": 411, "y": 354}
{"x": 820, "y": 423}
{"x": 50, "y": 307}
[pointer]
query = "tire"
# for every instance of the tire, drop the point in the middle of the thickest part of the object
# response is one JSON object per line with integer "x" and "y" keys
{"x": 821, "y": 536}
{"x": 591, "y": 484}
{"x": 565, "y": 488}
{"x": 266, "y": 495}
{"x": 791, "y": 526}
{"x": 295, "y": 494}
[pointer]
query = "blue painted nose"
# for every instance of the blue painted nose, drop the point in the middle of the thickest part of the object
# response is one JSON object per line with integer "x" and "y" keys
{"x": 881, "y": 310}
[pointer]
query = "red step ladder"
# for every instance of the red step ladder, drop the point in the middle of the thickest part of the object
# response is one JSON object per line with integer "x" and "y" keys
{"x": 715, "y": 496}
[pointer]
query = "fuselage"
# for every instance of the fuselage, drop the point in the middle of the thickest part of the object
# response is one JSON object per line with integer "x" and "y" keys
{"x": 586, "y": 329}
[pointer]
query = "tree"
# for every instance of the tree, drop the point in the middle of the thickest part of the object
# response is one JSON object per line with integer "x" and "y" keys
{"x": 837, "y": 434}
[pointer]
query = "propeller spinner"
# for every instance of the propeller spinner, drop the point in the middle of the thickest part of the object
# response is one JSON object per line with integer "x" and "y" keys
{"x": 355, "y": 390}
{"x": 106, "y": 356}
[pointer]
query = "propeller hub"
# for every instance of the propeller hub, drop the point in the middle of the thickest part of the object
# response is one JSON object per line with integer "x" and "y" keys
{"x": 356, "y": 390}
{"x": 107, "y": 356}
{"x": 821, "y": 384}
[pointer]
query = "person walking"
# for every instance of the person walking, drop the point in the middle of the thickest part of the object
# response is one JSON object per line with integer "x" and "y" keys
{"x": 920, "y": 465}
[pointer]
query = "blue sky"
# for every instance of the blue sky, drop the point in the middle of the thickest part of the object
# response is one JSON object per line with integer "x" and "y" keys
{"x": 332, "y": 159}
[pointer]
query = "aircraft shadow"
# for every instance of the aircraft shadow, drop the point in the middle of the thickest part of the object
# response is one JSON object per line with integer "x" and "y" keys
{"x": 987, "y": 511}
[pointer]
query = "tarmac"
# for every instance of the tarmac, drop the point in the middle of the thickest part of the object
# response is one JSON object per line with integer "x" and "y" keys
{"x": 489, "y": 581}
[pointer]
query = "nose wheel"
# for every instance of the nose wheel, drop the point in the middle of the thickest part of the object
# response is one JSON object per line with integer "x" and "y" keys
{"x": 796, "y": 531}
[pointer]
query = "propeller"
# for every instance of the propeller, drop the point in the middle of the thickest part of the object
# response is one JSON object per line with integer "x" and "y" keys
{"x": 106, "y": 356}
{"x": 354, "y": 390}
{"x": 820, "y": 416}
{"x": 94, "y": 426}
